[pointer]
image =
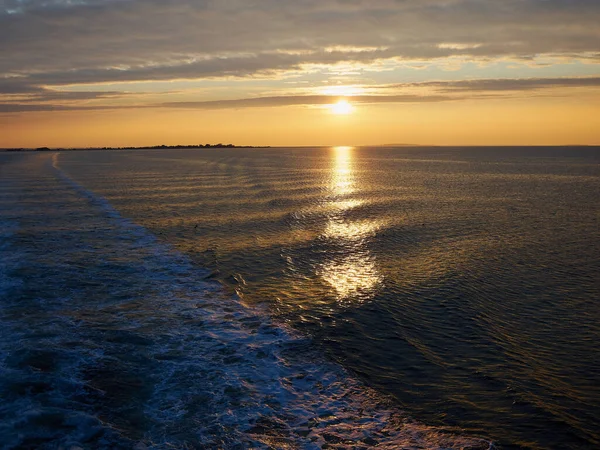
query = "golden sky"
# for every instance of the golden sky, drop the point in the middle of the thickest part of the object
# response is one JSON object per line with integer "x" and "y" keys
{"x": 303, "y": 72}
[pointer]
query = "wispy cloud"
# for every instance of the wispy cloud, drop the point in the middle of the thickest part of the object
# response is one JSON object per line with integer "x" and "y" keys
{"x": 305, "y": 100}
{"x": 503, "y": 84}
{"x": 417, "y": 92}
{"x": 51, "y": 36}
{"x": 49, "y": 44}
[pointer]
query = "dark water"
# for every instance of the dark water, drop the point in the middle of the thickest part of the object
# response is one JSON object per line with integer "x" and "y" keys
{"x": 463, "y": 282}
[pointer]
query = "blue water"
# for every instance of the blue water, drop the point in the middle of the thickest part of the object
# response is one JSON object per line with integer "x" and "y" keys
{"x": 301, "y": 298}
{"x": 112, "y": 338}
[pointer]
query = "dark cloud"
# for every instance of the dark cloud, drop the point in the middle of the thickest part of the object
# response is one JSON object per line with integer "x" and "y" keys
{"x": 44, "y": 107}
{"x": 503, "y": 84}
{"x": 306, "y": 100}
{"x": 47, "y": 44}
{"x": 19, "y": 90}
{"x": 12, "y": 86}
{"x": 439, "y": 91}
{"x": 256, "y": 102}
{"x": 442, "y": 91}
{"x": 150, "y": 36}
{"x": 219, "y": 67}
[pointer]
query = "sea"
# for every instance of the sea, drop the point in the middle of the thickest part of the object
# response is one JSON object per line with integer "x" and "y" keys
{"x": 300, "y": 298}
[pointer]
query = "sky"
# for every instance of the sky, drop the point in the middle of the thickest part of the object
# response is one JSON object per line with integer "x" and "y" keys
{"x": 83, "y": 73}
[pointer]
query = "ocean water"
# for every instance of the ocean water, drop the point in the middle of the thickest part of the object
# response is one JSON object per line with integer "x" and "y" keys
{"x": 301, "y": 298}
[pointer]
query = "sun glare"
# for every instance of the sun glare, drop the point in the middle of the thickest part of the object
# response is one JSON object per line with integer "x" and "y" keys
{"x": 342, "y": 107}
{"x": 342, "y": 91}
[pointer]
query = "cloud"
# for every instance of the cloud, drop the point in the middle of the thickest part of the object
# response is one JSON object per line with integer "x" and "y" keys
{"x": 435, "y": 92}
{"x": 150, "y": 37}
{"x": 255, "y": 102}
{"x": 304, "y": 100}
{"x": 442, "y": 91}
{"x": 49, "y": 44}
{"x": 11, "y": 86}
{"x": 17, "y": 92}
{"x": 10, "y": 108}
{"x": 504, "y": 84}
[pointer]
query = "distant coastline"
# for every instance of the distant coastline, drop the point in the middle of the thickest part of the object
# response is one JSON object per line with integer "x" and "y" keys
{"x": 149, "y": 147}
{"x": 220, "y": 146}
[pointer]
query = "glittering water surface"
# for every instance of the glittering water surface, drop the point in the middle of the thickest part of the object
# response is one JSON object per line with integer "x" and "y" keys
{"x": 461, "y": 282}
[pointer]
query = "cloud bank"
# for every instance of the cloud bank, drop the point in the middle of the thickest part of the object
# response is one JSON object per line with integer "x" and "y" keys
{"x": 439, "y": 91}
{"x": 47, "y": 44}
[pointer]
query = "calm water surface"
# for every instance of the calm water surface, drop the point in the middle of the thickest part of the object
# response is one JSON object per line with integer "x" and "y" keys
{"x": 463, "y": 282}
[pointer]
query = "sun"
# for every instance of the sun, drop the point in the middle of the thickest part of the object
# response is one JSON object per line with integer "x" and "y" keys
{"x": 342, "y": 107}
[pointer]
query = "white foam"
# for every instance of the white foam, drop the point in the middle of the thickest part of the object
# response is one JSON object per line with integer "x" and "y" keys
{"x": 221, "y": 374}
{"x": 10, "y": 257}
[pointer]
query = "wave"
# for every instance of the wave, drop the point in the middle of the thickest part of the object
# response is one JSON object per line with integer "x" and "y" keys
{"x": 112, "y": 339}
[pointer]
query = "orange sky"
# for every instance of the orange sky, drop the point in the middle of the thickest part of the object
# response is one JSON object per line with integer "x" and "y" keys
{"x": 437, "y": 72}
{"x": 547, "y": 121}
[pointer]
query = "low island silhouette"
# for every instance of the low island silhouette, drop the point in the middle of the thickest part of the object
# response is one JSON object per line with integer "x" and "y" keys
{"x": 149, "y": 147}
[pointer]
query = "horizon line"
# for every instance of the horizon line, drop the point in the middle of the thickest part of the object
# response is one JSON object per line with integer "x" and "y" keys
{"x": 249, "y": 146}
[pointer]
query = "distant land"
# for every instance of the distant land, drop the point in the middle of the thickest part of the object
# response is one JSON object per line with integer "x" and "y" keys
{"x": 218, "y": 146}
{"x": 406, "y": 145}
{"x": 150, "y": 147}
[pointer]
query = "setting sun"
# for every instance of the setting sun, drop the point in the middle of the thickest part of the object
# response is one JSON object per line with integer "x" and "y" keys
{"x": 291, "y": 224}
{"x": 342, "y": 107}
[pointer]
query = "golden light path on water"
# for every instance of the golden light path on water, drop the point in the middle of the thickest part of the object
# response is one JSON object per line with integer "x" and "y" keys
{"x": 352, "y": 272}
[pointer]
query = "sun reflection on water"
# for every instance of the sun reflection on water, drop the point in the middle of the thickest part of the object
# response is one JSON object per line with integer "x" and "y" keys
{"x": 355, "y": 278}
{"x": 352, "y": 231}
{"x": 351, "y": 269}
{"x": 342, "y": 179}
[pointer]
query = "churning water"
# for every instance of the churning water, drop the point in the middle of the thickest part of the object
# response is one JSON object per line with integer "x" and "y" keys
{"x": 458, "y": 287}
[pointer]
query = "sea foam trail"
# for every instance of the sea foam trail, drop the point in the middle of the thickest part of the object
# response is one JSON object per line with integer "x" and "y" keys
{"x": 111, "y": 339}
